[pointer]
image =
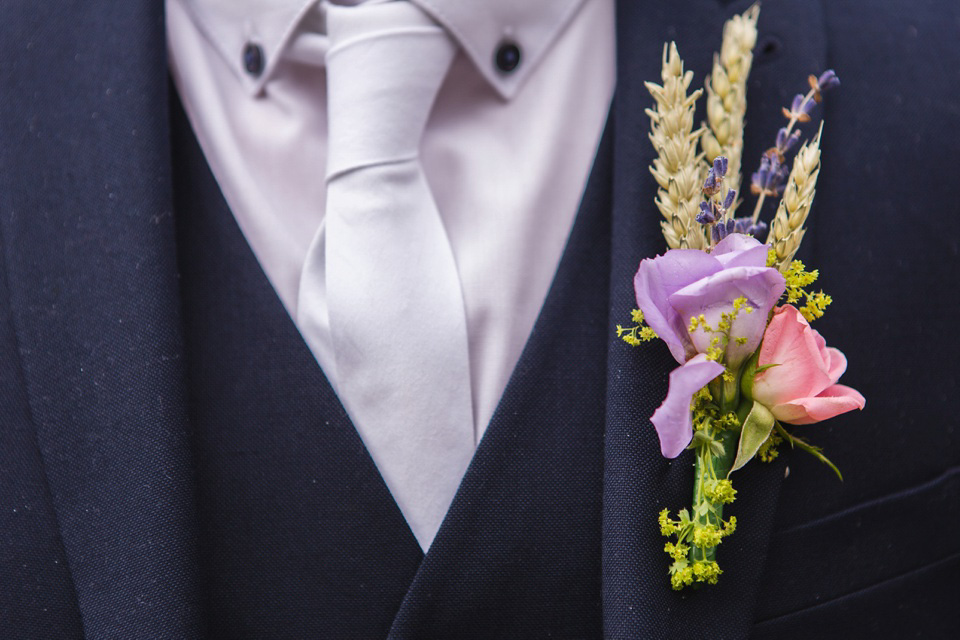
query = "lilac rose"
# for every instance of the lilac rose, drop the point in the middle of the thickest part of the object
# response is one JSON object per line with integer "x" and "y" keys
{"x": 688, "y": 283}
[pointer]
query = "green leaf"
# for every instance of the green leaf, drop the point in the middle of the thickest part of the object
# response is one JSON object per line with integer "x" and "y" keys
{"x": 756, "y": 430}
{"x": 700, "y": 439}
{"x": 716, "y": 449}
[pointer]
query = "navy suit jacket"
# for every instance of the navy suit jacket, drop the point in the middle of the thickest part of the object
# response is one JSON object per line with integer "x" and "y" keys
{"x": 108, "y": 356}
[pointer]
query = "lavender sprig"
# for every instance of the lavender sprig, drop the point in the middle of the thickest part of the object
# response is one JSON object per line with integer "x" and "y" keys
{"x": 769, "y": 178}
{"x": 788, "y": 224}
{"x": 717, "y": 214}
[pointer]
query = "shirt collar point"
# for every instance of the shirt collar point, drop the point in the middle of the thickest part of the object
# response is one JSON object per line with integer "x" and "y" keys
{"x": 506, "y": 88}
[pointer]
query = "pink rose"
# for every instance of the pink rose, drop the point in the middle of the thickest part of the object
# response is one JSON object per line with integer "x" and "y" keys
{"x": 802, "y": 388}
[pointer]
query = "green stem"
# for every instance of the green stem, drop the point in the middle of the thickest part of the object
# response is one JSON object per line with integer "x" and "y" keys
{"x": 803, "y": 445}
{"x": 730, "y": 397}
{"x": 714, "y": 467}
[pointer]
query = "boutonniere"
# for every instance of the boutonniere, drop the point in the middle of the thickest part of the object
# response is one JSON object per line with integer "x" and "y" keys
{"x": 727, "y": 297}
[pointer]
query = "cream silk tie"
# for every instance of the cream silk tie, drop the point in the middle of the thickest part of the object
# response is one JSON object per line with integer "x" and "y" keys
{"x": 380, "y": 276}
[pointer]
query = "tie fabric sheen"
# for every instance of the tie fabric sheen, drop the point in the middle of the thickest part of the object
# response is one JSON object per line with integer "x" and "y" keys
{"x": 380, "y": 275}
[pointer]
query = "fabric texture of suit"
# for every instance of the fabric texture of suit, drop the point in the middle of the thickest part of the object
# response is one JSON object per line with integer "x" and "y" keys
{"x": 157, "y": 463}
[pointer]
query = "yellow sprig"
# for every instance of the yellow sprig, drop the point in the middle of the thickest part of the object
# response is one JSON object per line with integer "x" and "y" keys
{"x": 798, "y": 279}
{"x": 637, "y": 334}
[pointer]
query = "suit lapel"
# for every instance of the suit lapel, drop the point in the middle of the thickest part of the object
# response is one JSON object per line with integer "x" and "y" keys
{"x": 88, "y": 241}
{"x": 638, "y": 482}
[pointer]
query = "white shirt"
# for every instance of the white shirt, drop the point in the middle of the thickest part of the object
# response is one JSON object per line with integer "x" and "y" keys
{"x": 506, "y": 154}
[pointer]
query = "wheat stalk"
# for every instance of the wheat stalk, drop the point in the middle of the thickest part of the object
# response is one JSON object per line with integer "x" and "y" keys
{"x": 677, "y": 168}
{"x": 727, "y": 95}
{"x": 787, "y": 230}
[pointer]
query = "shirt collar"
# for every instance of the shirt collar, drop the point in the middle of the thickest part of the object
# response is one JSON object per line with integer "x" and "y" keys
{"x": 480, "y": 28}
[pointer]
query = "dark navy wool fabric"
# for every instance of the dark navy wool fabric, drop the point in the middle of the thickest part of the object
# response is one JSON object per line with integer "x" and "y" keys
{"x": 296, "y": 525}
{"x": 174, "y": 465}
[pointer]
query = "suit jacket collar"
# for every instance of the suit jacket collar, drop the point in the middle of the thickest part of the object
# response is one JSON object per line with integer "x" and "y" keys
{"x": 87, "y": 237}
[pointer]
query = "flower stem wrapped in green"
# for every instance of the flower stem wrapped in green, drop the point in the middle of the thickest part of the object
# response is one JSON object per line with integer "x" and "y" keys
{"x": 698, "y": 534}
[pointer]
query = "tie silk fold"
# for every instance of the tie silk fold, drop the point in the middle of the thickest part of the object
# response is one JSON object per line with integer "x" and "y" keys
{"x": 380, "y": 276}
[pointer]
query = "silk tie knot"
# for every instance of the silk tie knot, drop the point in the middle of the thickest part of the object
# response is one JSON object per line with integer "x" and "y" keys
{"x": 385, "y": 65}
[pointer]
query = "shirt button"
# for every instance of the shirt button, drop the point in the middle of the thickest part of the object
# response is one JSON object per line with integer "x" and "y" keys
{"x": 253, "y": 59}
{"x": 507, "y": 57}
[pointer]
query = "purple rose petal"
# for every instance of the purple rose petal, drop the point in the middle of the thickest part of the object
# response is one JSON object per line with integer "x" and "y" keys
{"x": 738, "y": 250}
{"x": 660, "y": 277}
{"x": 672, "y": 419}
